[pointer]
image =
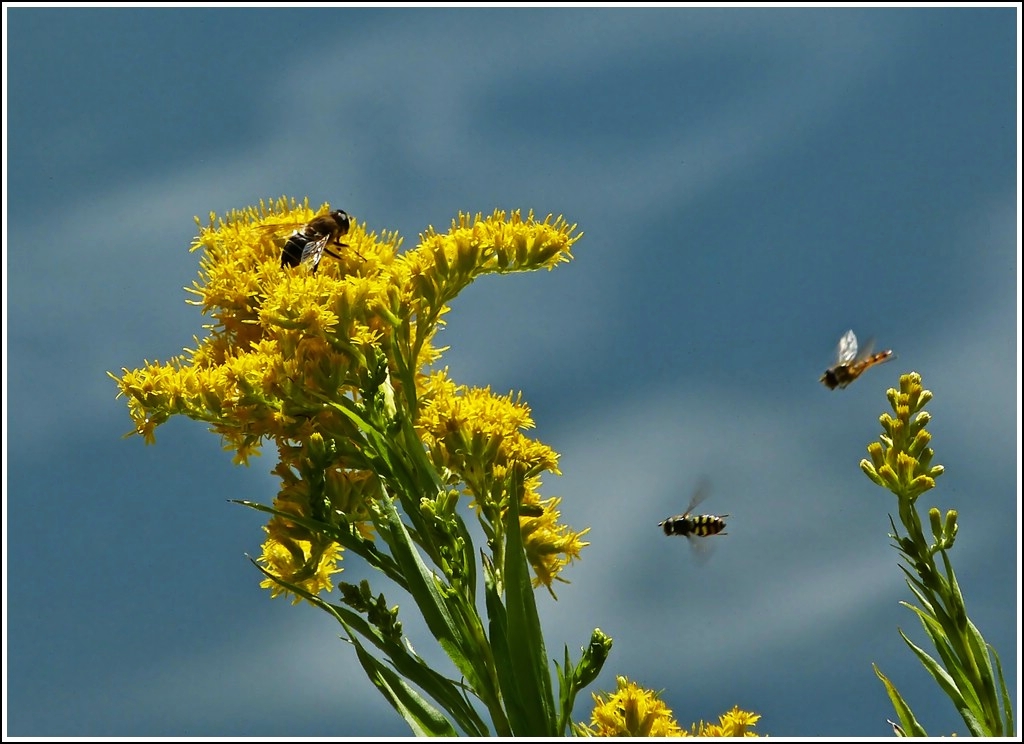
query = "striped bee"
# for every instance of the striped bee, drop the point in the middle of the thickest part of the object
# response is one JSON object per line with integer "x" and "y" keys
{"x": 311, "y": 240}
{"x": 849, "y": 364}
{"x": 700, "y": 525}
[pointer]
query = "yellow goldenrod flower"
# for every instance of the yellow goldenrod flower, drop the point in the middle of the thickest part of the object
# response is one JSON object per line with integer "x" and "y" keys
{"x": 550, "y": 546}
{"x": 302, "y": 562}
{"x": 477, "y": 436}
{"x": 631, "y": 711}
{"x": 734, "y": 723}
{"x": 323, "y": 364}
{"x": 901, "y": 460}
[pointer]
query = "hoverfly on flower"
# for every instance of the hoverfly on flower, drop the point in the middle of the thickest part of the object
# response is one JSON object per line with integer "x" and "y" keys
{"x": 849, "y": 364}
{"x": 311, "y": 240}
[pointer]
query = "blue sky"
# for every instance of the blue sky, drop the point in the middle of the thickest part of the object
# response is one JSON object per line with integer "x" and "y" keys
{"x": 750, "y": 182}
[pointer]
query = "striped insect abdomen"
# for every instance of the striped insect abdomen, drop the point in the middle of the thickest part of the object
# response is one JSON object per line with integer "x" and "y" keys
{"x": 704, "y": 525}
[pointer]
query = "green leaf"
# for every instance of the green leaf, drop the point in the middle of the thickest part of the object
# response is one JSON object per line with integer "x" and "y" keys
{"x": 1007, "y": 705}
{"x": 566, "y": 691}
{"x": 423, "y": 718}
{"x": 497, "y": 626}
{"x": 951, "y": 662}
{"x": 987, "y": 681}
{"x": 423, "y": 586}
{"x": 933, "y": 608}
{"x": 918, "y": 590}
{"x": 929, "y": 621}
{"x": 530, "y": 665}
{"x": 935, "y": 669}
{"x": 948, "y": 685}
{"x": 458, "y": 632}
{"x": 957, "y": 603}
{"x": 443, "y": 690}
{"x": 907, "y": 719}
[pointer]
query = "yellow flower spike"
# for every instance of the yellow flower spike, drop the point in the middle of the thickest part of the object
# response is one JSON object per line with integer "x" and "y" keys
{"x": 479, "y": 430}
{"x": 962, "y": 654}
{"x": 634, "y": 711}
{"x": 332, "y": 363}
{"x": 477, "y": 245}
{"x": 350, "y": 493}
{"x": 733, "y": 724}
{"x": 631, "y": 711}
{"x": 478, "y": 437}
{"x": 289, "y": 348}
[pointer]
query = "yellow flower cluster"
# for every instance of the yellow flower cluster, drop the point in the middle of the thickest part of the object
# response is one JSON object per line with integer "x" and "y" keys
{"x": 477, "y": 437}
{"x": 291, "y": 353}
{"x": 734, "y": 723}
{"x": 631, "y": 711}
{"x": 305, "y": 563}
{"x": 634, "y": 711}
{"x": 902, "y": 460}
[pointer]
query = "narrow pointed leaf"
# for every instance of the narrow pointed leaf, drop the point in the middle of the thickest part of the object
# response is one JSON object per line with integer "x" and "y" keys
{"x": 1007, "y": 705}
{"x": 987, "y": 681}
{"x": 423, "y": 718}
{"x": 526, "y": 641}
{"x": 909, "y": 723}
{"x": 443, "y": 690}
{"x": 497, "y": 624}
{"x": 948, "y": 686}
{"x": 457, "y": 629}
{"x": 935, "y": 669}
{"x": 950, "y": 661}
{"x": 403, "y": 698}
{"x": 423, "y": 586}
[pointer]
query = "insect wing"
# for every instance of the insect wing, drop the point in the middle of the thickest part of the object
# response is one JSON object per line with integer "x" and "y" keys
{"x": 701, "y": 550}
{"x": 674, "y": 525}
{"x": 313, "y": 251}
{"x": 865, "y": 350}
{"x": 295, "y": 239}
{"x": 846, "y": 351}
{"x": 700, "y": 493}
{"x": 278, "y": 229}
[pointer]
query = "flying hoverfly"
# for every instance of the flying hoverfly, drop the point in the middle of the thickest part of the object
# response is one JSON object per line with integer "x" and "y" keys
{"x": 310, "y": 241}
{"x": 700, "y": 525}
{"x": 849, "y": 364}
